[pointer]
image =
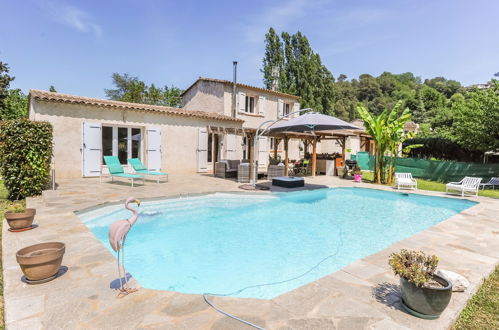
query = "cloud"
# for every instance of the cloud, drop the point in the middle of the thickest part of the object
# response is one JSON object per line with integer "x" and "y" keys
{"x": 72, "y": 17}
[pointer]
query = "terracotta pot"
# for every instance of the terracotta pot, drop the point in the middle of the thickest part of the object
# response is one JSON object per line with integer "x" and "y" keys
{"x": 41, "y": 261}
{"x": 20, "y": 220}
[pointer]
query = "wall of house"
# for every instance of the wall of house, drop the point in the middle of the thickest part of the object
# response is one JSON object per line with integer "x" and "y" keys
{"x": 179, "y": 134}
{"x": 205, "y": 96}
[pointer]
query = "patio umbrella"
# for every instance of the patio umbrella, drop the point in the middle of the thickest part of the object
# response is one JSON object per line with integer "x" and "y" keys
{"x": 311, "y": 121}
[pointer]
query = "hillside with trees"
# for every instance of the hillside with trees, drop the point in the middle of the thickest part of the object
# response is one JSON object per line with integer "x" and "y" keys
{"x": 466, "y": 119}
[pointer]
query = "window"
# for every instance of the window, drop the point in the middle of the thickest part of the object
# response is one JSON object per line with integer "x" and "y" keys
{"x": 286, "y": 109}
{"x": 210, "y": 147}
{"x": 273, "y": 145}
{"x": 123, "y": 142}
{"x": 250, "y": 104}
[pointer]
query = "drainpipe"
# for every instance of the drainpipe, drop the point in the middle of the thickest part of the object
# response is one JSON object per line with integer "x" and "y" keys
{"x": 234, "y": 82}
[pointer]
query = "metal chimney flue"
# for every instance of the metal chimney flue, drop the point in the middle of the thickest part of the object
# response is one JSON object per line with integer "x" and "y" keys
{"x": 234, "y": 88}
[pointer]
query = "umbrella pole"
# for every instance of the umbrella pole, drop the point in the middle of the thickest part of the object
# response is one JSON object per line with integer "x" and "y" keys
{"x": 314, "y": 156}
{"x": 286, "y": 159}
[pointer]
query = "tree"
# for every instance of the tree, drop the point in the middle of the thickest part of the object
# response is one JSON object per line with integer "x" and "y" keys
{"x": 52, "y": 89}
{"x": 131, "y": 89}
{"x": 5, "y": 80}
{"x": 273, "y": 61}
{"x": 15, "y": 105}
{"x": 387, "y": 131}
{"x": 291, "y": 66}
{"x": 476, "y": 122}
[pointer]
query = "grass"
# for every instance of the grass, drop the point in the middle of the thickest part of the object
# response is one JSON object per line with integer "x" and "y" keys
{"x": 482, "y": 310}
{"x": 4, "y": 204}
{"x": 435, "y": 186}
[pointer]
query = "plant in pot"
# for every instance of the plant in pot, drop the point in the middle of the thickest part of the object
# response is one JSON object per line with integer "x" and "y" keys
{"x": 424, "y": 294}
{"x": 19, "y": 218}
{"x": 357, "y": 173}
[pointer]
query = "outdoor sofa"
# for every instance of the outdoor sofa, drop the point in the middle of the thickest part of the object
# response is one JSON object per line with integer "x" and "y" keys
{"x": 227, "y": 168}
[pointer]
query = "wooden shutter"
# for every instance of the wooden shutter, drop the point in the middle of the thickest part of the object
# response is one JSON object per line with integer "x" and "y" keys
{"x": 296, "y": 107}
{"x": 91, "y": 149}
{"x": 261, "y": 105}
{"x": 263, "y": 153}
{"x": 242, "y": 102}
{"x": 231, "y": 147}
{"x": 202, "y": 151}
{"x": 153, "y": 148}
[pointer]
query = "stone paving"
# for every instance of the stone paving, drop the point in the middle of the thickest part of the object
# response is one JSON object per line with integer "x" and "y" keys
{"x": 363, "y": 295}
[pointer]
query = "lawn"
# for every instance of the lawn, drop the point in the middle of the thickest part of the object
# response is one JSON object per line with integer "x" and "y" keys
{"x": 482, "y": 310}
{"x": 436, "y": 186}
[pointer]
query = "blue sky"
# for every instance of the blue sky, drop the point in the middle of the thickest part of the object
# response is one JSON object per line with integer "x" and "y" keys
{"x": 77, "y": 45}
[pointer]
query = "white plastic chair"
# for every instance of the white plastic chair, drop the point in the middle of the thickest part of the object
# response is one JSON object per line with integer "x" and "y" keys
{"x": 468, "y": 184}
{"x": 405, "y": 180}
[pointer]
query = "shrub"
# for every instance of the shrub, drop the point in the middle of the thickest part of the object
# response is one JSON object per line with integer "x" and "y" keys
{"x": 415, "y": 266}
{"x": 16, "y": 208}
{"x": 25, "y": 156}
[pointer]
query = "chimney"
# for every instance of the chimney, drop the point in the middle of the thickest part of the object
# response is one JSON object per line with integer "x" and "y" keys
{"x": 234, "y": 82}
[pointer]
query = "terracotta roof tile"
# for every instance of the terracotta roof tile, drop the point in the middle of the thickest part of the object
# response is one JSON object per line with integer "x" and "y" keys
{"x": 228, "y": 82}
{"x": 67, "y": 98}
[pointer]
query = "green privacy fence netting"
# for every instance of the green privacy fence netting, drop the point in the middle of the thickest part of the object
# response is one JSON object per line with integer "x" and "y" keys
{"x": 434, "y": 170}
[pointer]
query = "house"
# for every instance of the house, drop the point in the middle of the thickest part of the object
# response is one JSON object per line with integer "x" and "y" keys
{"x": 178, "y": 140}
{"x": 251, "y": 104}
{"x": 86, "y": 129}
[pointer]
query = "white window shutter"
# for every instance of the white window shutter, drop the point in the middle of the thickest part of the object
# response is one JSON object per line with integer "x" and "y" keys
{"x": 263, "y": 154}
{"x": 231, "y": 147}
{"x": 153, "y": 148}
{"x": 296, "y": 107}
{"x": 242, "y": 102}
{"x": 280, "y": 108}
{"x": 91, "y": 149}
{"x": 261, "y": 105}
{"x": 202, "y": 151}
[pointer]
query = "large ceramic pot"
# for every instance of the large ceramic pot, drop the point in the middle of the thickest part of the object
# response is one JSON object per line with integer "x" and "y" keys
{"x": 41, "y": 261}
{"x": 20, "y": 220}
{"x": 426, "y": 303}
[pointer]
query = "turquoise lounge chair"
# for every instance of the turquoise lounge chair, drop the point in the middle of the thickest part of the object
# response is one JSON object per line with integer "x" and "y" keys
{"x": 141, "y": 169}
{"x": 115, "y": 169}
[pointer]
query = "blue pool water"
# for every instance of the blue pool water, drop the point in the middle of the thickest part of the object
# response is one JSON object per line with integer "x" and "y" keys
{"x": 268, "y": 244}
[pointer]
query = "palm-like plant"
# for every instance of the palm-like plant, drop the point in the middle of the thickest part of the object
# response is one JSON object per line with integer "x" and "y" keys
{"x": 387, "y": 131}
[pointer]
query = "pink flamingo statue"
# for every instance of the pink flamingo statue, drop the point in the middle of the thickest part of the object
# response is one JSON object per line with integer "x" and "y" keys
{"x": 117, "y": 235}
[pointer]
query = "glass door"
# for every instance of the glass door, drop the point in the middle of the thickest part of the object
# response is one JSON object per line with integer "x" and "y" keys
{"x": 123, "y": 142}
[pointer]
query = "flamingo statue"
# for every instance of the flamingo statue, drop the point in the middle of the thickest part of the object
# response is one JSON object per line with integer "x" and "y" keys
{"x": 117, "y": 235}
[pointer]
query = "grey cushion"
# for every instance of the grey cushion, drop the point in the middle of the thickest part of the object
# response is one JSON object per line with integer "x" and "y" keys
{"x": 233, "y": 164}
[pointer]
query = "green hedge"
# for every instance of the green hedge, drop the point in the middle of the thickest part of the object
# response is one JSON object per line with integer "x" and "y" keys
{"x": 25, "y": 156}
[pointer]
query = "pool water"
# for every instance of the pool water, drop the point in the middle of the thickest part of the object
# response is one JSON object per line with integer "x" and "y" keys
{"x": 261, "y": 246}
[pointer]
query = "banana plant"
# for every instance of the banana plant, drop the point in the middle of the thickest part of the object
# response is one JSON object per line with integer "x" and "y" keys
{"x": 387, "y": 131}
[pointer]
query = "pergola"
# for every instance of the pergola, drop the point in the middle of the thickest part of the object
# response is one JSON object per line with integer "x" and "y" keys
{"x": 311, "y": 137}
{"x": 313, "y": 127}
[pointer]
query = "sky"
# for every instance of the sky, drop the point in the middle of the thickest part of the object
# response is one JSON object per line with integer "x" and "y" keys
{"x": 77, "y": 45}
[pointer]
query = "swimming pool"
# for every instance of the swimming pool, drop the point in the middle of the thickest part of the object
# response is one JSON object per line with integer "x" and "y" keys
{"x": 261, "y": 246}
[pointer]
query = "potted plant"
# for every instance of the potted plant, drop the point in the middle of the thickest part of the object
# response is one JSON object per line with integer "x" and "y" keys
{"x": 423, "y": 293}
{"x": 18, "y": 217}
{"x": 357, "y": 173}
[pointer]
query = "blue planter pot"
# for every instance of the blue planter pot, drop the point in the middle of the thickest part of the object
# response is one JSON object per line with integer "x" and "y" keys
{"x": 426, "y": 303}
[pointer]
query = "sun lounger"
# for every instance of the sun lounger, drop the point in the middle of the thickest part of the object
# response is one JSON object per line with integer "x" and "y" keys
{"x": 466, "y": 185}
{"x": 405, "y": 180}
{"x": 139, "y": 168}
{"x": 116, "y": 170}
{"x": 492, "y": 183}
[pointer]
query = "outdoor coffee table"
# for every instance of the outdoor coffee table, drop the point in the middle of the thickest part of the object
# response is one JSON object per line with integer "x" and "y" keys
{"x": 288, "y": 182}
